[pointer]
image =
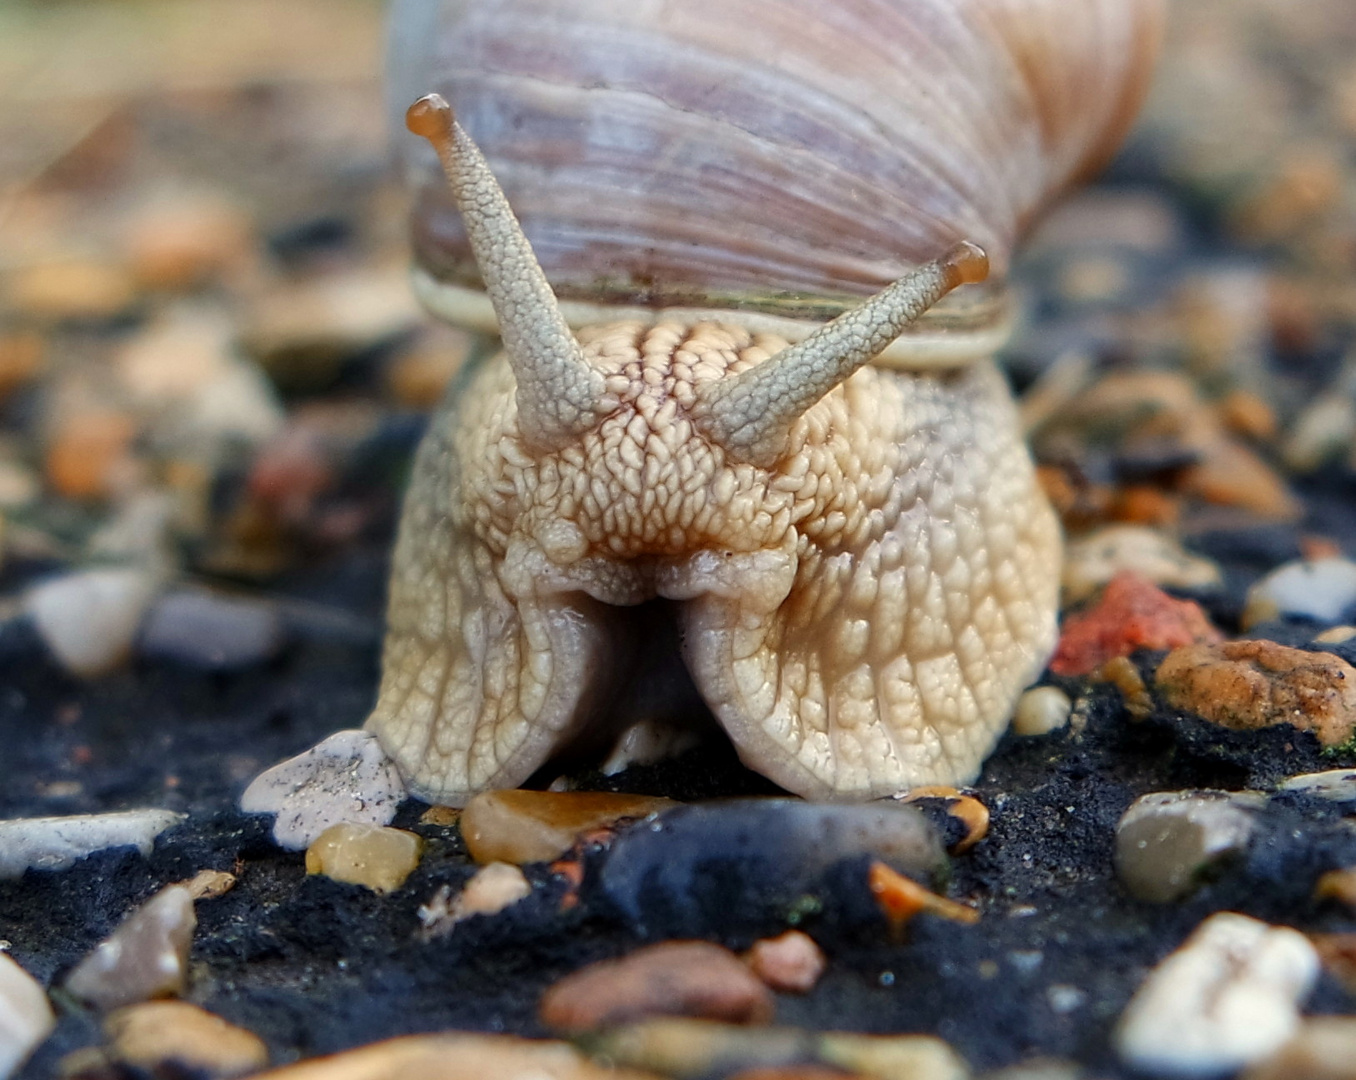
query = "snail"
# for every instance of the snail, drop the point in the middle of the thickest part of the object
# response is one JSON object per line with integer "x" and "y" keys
{"x": 697, "y": 418}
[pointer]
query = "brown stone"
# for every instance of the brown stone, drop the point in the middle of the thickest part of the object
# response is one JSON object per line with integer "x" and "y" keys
{"x": 790, "y": 962}
{"x": 1246, "y": 685}
{"x": 676, "y": 978}
{"x": 375, "y": 856}
{"x": 537, "y": 826}
{"x": 175, "y": 1035}
{"x": 72, "y": 289}
{"x": 90, "y": 455}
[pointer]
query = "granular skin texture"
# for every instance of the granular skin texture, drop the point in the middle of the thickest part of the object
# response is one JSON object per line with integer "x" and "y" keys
{"x": 860, "y": 616}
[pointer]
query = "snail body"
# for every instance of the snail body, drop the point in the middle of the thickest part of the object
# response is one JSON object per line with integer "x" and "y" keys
{"x": 863, "y": 571}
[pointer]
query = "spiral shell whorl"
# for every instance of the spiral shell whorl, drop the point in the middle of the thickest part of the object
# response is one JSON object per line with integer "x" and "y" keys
{"x": 724, "y": 155}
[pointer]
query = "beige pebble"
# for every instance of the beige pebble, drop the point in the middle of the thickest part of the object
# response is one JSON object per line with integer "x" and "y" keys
{"x": 180, "y": 240}
{"x": 1041, "y": 710}
{"x": 489, "y": 891}
{"x": 1335, "y": 635}
{"x": 418, "y": 377}
{"x": 536, "y": 826}
{"x": 176, "y": 1037}
{"x": 791, "y": 962}
{"x": 893, "y": 1057}
{"x": 377, "y": 856}
{"x": 72, "y": 289}
{"x": 1093, "y": 560}
{"x": 209, "y": 884}
{"x": 145, "y": 957}
{"x": 26, "y": 1019}
{"x": 682, "y": 978}
{"x": 1324, "y": 1048}
{"x": 456, "y": 1056}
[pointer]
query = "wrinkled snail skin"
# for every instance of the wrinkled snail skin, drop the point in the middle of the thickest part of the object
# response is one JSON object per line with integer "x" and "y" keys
{"x": 863, "y": 568}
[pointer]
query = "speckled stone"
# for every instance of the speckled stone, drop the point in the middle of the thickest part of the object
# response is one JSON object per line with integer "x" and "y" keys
{"x": 145, "y": 957}
{"x": 57, "y": 843}
{"x": 346, "y": 778}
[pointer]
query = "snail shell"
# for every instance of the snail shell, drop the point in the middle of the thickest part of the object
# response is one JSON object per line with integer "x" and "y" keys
{"x": 778, "y": 158}
{"x": 862, "y": 568}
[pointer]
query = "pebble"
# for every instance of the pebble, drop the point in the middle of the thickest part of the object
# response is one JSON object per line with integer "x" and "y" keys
{"x": 209, "y": 884}
{"x": 900, "y": 899}
{"x": 723, "y": 865}
{"x": 378, "y": 857}
{"x": 89, "y": 453}
{"x": 1319, "y": 589}
{"x": 675, "y": 978}
{"x": 690, "y": 1049}
{"x": 26, "y": 1019}
{"x": 1226, "y": 999}
{"x": 1093, "y": 560}
{"x": 90, "y": 618}
{"x": 893, "y": 1057}
{"x": 58, "y": 843}
{"x": 346, "y": 778}
{"x": 1324, "y": 1048}
{"x": 1037, "y": 1069}
{"x": 791, "y": 962}
{"x": 180, "y": 240}
{"x": 74, "y": 289}
{"x": 174, "y": 1038}
{"x": 22, "y": 358}
{"x": 1337, "y": 785}
{"x": 456, "y": 1056}
{"x": 1041, "y": 710}
{"x": 211, "y": 632}
{"x": 1245, "y": 685}
{"x": 1337, "y": 885}
{"x": 1335, "y": 635}
{"x": 1131, "y": 614}
{"x": 536, "y": 826}
{"x": 303, "y": 332}
{"x": 145, "y": 957}
{"x": 1324, "y": 429}
{"x": 1231, "y": 474}
{"x": 490, "y": 890}
{"x": 418, "y": 377}
{"x": 1168, "y": 840}
{"x": 648, "y": 743}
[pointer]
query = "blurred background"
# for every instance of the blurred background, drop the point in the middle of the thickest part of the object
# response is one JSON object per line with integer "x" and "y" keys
{"x": 212, "y": 371}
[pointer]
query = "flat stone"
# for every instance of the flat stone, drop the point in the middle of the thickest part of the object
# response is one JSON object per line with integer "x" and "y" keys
{"x": 537, "y": 826}
{"x": 893, "y": 1057}
{"x": 145, "y": 957}
{"x": 1226, "y": 999}
{"x": 376, "y": 856}
{"x": 457, "y": 1056}
{"x": 90, "y": 618}
{"x": 1041, "y": 710}
{"x": 1246, "y": 685}
{"x": 211, "y": 632}
{"x": 791, "y": 962}
{"x": 736, "y": 863}
{"x": 1093, "y": 560}
{"x": 57, "y": 843}
{"x": 346, "y": 778}
{"x": 1336, "y": 785}
{"x": 1131, "y": 614}
{"x": 1324, "y": 1048}
{"x": 26, "y": 1018}
{"x": 686, "y": 1047}
{"x": 1166, "y": 841}
{"x": 1320, "y": 589}
{"x": 176, "y": 1037}
{"x": 489, "y": 891}
{"x": 676, "y": 978}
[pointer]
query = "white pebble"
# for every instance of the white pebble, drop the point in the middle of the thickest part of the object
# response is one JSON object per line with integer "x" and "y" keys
{"x": 145, "y": 957}
{"x": 489, "y": 891}
{"x": 1094, "y": 560}
{"x": 1337, "y": 785}
{"x": 1041, "y": 710}
{"x": 26, "y": 1018}
{"x": 89, "y": 618}
{"x": 346, "y": 778}
{"x": 1321, "y": 589}
{"x": 57, "y": 843}
{"x": 212, "y": 632}
{"x": 1227, "y": 998}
